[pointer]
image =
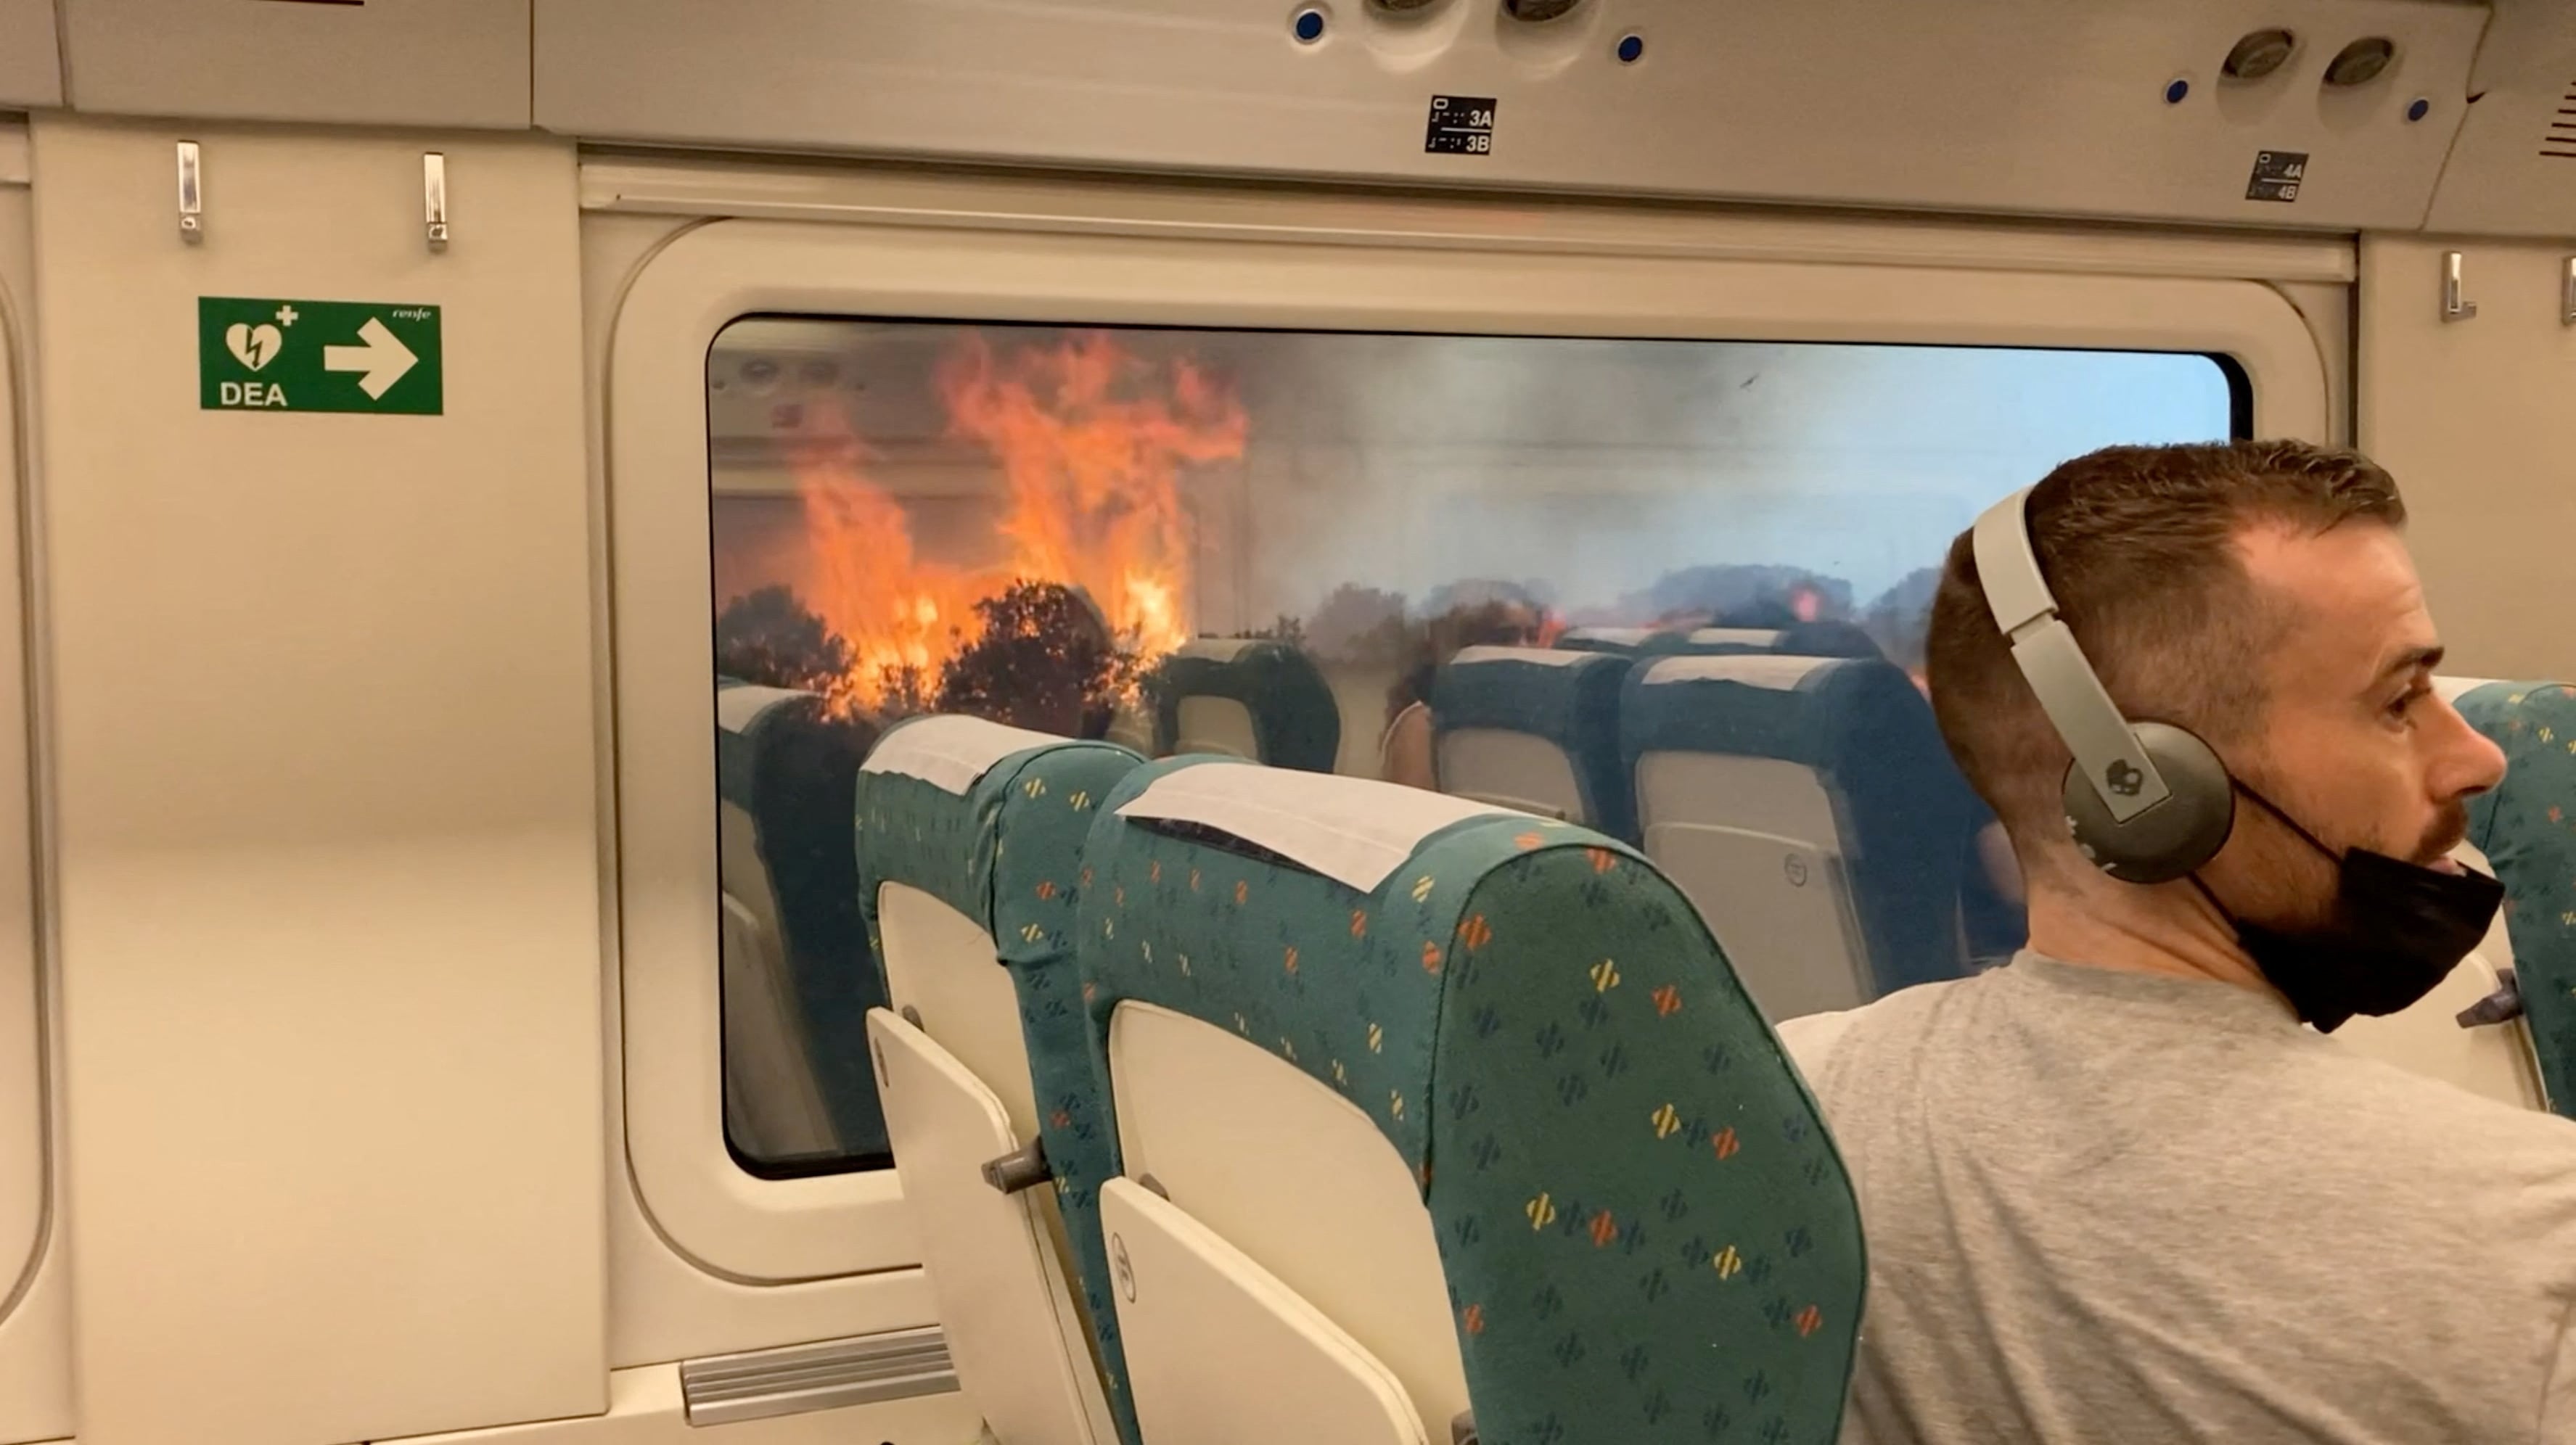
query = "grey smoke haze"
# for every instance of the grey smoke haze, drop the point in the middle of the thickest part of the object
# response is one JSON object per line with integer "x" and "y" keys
{"x": 1596, "y": 467}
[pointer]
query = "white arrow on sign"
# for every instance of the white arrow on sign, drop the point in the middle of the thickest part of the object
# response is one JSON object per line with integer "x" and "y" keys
{"x": 384, "y": 359}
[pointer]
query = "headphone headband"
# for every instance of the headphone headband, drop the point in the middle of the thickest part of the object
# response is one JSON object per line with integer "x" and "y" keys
{"x": 2108, "y": 755}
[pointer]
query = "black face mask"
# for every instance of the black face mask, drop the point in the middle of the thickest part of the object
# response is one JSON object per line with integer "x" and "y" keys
{"x": 2397, "y": 931}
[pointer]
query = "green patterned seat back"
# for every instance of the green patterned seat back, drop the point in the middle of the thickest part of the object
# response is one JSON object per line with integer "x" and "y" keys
{"x": 1007, "y": 854}
{"x": 1903, "y": 811}
{"x": 1296, "y": 722}
{"x": 1647, "y": 1233}
{"x": 2527, "y": 829}
{"x": 1731, "y": 641}
{"x": 1624, "y": 641}
{"x": 1565, "y": 698}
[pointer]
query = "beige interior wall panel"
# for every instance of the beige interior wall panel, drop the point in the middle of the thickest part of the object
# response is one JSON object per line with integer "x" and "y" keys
{"x": 327, "y": 827}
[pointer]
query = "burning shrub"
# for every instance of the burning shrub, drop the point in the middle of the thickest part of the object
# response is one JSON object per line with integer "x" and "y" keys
{"x": 1045, "y": 660}
{"x": 772, "y": 638}
{"x": 1091, "y": 443}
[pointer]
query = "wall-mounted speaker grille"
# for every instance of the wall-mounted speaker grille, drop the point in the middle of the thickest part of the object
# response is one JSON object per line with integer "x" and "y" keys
{"x": 2560, "y": 142}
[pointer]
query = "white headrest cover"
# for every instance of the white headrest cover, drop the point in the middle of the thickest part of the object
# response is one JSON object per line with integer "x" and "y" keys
{"x": 1619, "y": 636}
{"x": 1540, "y": 656}
{"x": 1781, "y": 674}
{"x": 2452, "y": 689}
{"x": 1742, "y": 636}
{"x": 1217, "y": 649}
{"x": 951, "y": 753}
{"x": 737, "y": 708}
{"x": 1353, "y": 830}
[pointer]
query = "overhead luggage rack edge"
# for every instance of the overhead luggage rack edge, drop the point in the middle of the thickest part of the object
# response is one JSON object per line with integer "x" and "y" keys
{"x": 1179, "y": 210}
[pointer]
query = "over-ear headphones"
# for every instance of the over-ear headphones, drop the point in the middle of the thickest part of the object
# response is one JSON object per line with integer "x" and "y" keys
{"x": 2148, "y": 802}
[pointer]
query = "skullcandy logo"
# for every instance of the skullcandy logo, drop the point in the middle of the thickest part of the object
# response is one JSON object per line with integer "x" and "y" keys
{"x": 2124, "y": 778}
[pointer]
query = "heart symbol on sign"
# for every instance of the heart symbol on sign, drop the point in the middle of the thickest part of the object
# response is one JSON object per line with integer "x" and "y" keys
{"x": 254, "y": 348}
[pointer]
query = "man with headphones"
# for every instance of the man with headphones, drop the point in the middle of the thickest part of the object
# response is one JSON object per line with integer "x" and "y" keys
{"x": 2129, "y": 1187}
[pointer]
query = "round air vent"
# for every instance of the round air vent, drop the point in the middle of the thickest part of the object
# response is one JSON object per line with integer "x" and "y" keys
{"x": 2361, "y": 62}
{"x": 2260, "y": 54}
{"x": 1535, "y": 11}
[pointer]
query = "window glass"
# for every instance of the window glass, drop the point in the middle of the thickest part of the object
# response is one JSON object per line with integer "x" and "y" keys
{"x": 1028, "y": 522}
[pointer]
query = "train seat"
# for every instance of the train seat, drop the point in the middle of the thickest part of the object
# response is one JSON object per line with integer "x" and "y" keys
{"x": 1535, "y": 730}
{"x": 1730, "y": 641}
{"x": 792, "y": 952}
{"x": 1622, "y": 641}
{"x": 1427, "y": 1110}
{"x": 1826, "y": 639}
{"x": 1246, "y": 697}
{"x": 1810, "y": 810}
{"x": 2529, "y": 1060}
{"x": 969, "y": 841}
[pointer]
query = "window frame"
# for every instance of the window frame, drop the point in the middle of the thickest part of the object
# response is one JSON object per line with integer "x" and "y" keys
{"x": 947, "y": 267}
{"x": 26, "y": 1155}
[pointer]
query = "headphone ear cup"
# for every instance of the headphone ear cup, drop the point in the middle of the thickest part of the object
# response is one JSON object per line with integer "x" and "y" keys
{"x": 2175, "y": 836}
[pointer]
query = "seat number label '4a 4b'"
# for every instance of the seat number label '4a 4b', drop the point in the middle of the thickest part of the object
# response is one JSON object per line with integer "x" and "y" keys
{"x": 361, "y": 356}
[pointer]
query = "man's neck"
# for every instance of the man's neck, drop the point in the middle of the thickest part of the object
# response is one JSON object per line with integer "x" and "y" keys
{"x": 2169, "y": 929}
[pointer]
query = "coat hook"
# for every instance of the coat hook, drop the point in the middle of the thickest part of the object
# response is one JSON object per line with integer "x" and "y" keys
{"x": 191, "y": 195}
{"x": 2567, "y": 292}
{"x": 2453, "y": 307}
{"x": 433, "y": 197}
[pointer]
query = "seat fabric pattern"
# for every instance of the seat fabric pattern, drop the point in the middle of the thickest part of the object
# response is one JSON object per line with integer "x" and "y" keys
{"x": 1296, "y": 721}
{"x": 1647, "y": 1233}
{"x": 1008, "y": 855}
{"x": 1903, "y": 810}
{"x": 2527, "y": 828}
{"x": 1573, "y": 705}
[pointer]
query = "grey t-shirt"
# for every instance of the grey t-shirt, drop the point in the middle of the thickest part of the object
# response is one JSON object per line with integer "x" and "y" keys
{"x": 2114, "y": 1207}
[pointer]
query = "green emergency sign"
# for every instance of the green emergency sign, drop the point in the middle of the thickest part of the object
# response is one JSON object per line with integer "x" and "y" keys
{"x": 363, "y": 356}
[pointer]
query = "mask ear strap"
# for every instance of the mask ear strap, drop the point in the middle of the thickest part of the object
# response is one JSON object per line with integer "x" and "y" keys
{"x": 2268, "y": 806}
{"x": 2224, "y": 911}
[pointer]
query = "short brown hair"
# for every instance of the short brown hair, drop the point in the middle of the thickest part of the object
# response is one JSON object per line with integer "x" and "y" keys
{"x": 2139, "y": 546}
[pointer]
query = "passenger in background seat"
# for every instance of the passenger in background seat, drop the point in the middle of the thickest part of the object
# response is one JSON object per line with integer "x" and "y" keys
{"x": 2116, "y": 1191}
{"x": 1405, "y": 752}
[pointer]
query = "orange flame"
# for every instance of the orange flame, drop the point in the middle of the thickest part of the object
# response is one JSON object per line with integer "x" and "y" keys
{"x": 1095, "y": 476}
{"x": 1091, "y": 449}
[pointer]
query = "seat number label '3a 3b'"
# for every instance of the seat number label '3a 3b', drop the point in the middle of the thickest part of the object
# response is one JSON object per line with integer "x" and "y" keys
{"x": 319, "y": 356}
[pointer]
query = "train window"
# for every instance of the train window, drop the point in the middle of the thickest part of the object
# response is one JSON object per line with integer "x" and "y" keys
{"x": 1061, "y": 528}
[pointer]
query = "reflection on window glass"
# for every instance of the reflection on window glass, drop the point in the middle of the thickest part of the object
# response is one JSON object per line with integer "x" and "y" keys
{"x": 1574, "y": 576}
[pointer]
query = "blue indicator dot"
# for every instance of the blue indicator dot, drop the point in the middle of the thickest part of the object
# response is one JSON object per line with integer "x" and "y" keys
{"x": 1309, "y": 26}
{"x": 1631, "y": 48}
{"x": 2420, "y": 109}
{"x": 2178, "y": 92}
